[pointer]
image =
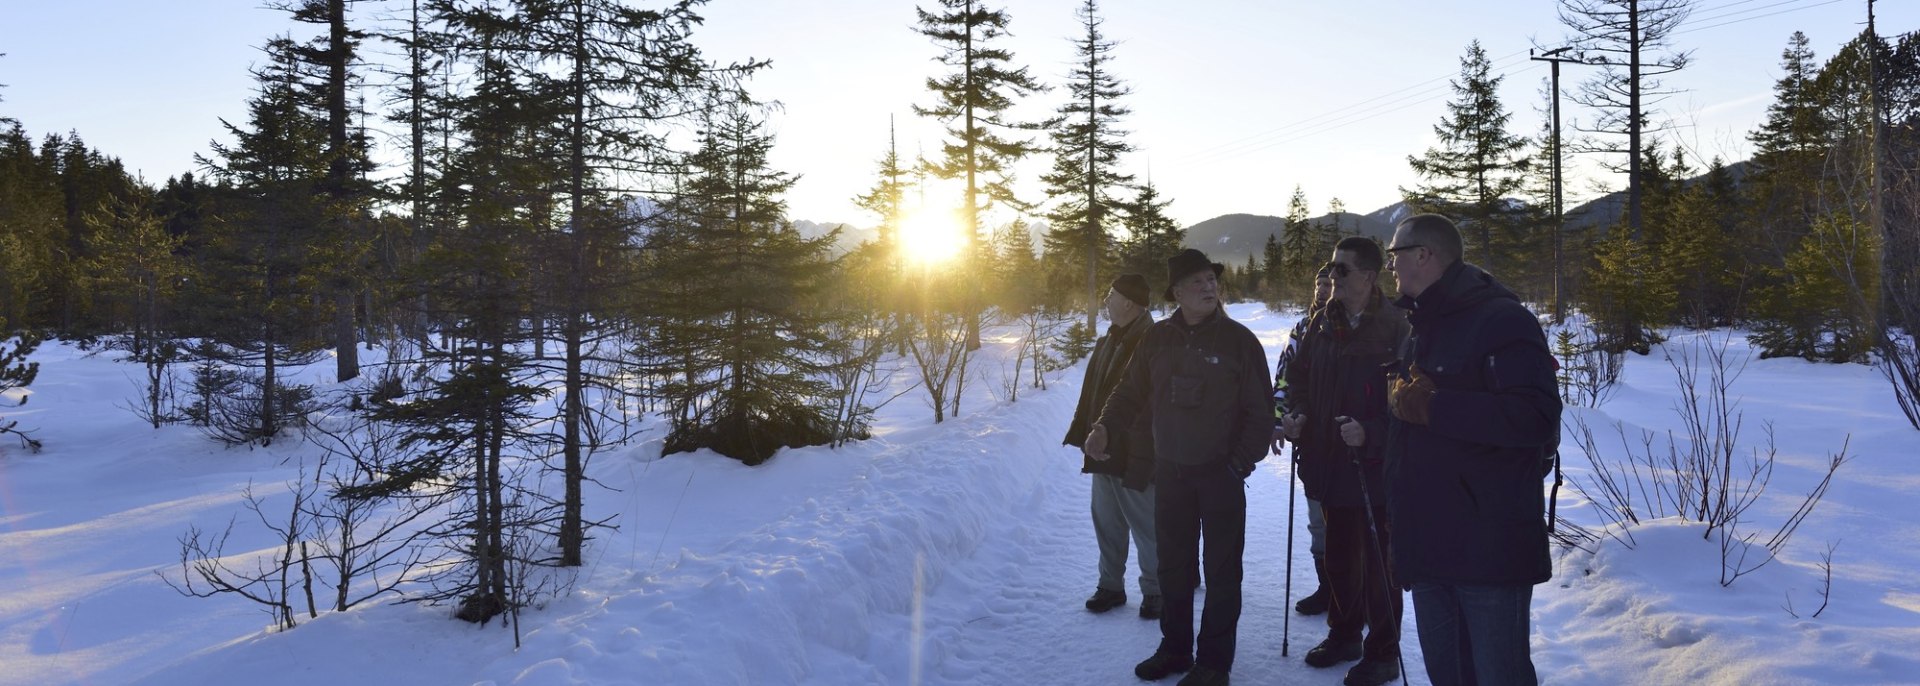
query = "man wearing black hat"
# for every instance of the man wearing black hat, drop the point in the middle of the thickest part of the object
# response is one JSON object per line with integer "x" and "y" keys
{"x": 1122, "y": 483}
{"x": 1202, "y": 380}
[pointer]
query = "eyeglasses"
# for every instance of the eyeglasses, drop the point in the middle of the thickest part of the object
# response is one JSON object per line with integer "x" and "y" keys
{"x": 1394, "y": 251}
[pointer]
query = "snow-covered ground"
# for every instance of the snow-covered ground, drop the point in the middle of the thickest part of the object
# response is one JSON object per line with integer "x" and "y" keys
{"x": 956, "y": 553}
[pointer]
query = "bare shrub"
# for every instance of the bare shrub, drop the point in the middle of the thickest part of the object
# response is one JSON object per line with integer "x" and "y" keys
{"x": 1701, "y": 475}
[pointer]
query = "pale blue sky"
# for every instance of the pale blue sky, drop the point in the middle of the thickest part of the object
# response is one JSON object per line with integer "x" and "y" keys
{"x": 1235, "y": 102}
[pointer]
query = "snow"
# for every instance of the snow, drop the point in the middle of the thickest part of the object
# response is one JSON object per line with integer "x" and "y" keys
{"x": 956, "y": 553}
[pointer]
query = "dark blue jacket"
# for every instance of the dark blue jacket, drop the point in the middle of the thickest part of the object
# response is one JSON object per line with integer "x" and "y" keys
{"x": 1464, "y": 492}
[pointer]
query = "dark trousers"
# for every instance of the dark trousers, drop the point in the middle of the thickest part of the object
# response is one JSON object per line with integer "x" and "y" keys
{"x": 1474, "y": 634}
{"x": 1363, "y": 594}
{"x": 1190, "y": 503}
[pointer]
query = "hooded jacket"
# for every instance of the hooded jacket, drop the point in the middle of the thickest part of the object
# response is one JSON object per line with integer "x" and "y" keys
{"x": 1341, "y": 370}
{"x": 1464, "y": 491}
{"x": 1205, "y": 390}
{"x": 1130, "y": 455}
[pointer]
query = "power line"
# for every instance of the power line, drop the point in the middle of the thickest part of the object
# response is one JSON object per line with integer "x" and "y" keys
{"x": 1762, "y": 16}
{"x": 1424, "y": 97}
{"x": 1750, "y": 10}
{"x": 1336, "y": 113}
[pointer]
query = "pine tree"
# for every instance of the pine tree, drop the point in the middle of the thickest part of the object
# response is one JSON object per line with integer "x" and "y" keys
{"x": 609, "y": 74}
{"x": 1274, "y": 273}
{"x": 1624, "y": 290}
{"x": 747, "y": 350}
{"x": 1478, "y": 167}
{"x": 327, "y": 76}
{"x": 471, "y": 420}
{"x": 1301, "y": 244}
{"x": 137, "y": 274}
{"x": 1152, "y": 237}
{"x": 31, "y": 213}
{"x": 974, "y": 101}
{"x": 1087, "y": 144}
{"x": 1629, "y": 39}
{"x": 255, "y": 302}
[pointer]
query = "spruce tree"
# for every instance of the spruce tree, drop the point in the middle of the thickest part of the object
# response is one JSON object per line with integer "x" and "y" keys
{"x": 1631, "y": 41}
{"x": 974, "y": 101}
{"x": 31, "y": 211}
{"x": 1478, "y": 168}
{"x": 255, "y": 305}
{"x": 327, "y": 65}
{"x": 738, "y": 286}
{"x": 1275, "y": 261}
{"x": 1152, "y": 237}
{"x": 1087, "y": 144}
{"x": 1301, "y": 245}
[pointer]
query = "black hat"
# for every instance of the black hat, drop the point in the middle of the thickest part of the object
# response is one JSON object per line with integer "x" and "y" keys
{"x": 1186, "y": 263}
{"x": 1133, "y": 287}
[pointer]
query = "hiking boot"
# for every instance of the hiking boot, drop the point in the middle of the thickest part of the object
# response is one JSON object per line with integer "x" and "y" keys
{"x": 1104, "y": 600}
{"x": 1316, "y": 603}
{"x": 1371, "y": 672}
{"x": 1331, "y": 652}
{"x": 1162, "y": 665}
{"x": 1313, "y": 604}
{"x": 1150, "y": 607}
{"x": 1204, "y": 676}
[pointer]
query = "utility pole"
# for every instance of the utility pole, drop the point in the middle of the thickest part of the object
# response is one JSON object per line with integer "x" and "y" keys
{"x": 1559, "y": 214}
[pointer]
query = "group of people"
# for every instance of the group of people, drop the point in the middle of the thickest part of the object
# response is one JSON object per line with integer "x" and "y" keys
{"x": 1421, "y": 428}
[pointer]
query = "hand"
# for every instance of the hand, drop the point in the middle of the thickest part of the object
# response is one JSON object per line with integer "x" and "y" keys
{"x": 1412, "y": 399}
{"x": 1291, "y": 425}
{"x": 1096, "y": 444}
{"x": 1279, "y": 440}
{"x": 1351, "y": 432}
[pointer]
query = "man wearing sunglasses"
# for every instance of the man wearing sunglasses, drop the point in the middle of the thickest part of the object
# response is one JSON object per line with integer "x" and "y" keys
{"x": 1474, "y": 411}
{"x": 1337, "y": 385}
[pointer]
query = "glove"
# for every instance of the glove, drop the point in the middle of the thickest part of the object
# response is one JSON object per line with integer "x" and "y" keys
{"x": 1411, "y": 398}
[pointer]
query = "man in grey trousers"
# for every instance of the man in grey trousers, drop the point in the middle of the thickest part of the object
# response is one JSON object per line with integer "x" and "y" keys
{"x": 1122, "y": 484}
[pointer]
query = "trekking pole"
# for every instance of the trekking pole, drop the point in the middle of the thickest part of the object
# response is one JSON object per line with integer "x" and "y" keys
{"x": 1379, "y": 551}
{"x": 1286, "y": 610}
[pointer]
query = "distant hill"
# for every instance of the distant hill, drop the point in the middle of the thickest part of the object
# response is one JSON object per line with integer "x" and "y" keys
{"x": 850, "y": 236}
{"x": 1609, "y": 209}
{"x": 1230, "y": 238}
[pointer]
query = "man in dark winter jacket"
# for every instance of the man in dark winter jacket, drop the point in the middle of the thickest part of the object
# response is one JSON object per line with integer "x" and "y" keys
{"x": 1474, "y": 412}
{"x": 1202, "y": 380}
{"x": 1338, "y": 381}
{"x": 1122, "y": 483}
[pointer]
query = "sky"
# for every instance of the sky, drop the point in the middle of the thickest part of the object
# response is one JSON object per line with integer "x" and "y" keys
{"x": 1235, "y": 102}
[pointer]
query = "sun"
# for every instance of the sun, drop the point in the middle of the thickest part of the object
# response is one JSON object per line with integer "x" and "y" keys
{"x": 931, "y": 236}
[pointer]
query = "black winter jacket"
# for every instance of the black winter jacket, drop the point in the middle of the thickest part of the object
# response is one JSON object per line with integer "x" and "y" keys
{"x": 1130, "y": 449}
{"x": 1338, "y": 371}
{"x": 1206, "y": 390}
{"x": 1464, "y": 492}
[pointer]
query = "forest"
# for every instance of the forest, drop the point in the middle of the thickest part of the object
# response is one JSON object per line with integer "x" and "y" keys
{"x": 583, "y": 227}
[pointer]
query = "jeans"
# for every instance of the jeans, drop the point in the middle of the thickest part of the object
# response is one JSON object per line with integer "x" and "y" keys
{"x": 1191, "y": 502}
{"x": 1117, "y": 512}
{"x": 1475, "y": 634}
